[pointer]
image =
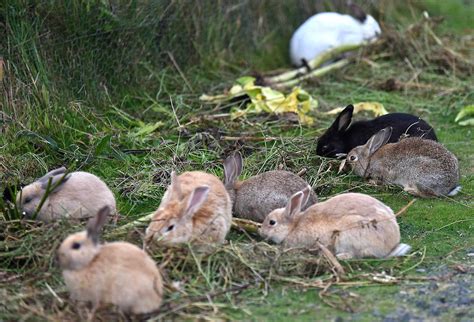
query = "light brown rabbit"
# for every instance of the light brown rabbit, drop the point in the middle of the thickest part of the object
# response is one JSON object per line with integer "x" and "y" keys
{"x": 424, "y": 168}
{"x": 195, "y": 208}
{"x": 352, "y": 225}
{"x": 75, "y": 195}
{"x": 116, "y": 273}
{"x": 257, "y": 196}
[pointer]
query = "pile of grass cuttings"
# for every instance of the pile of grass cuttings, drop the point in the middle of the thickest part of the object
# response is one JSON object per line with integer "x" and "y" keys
{"x": 197, "y": 280}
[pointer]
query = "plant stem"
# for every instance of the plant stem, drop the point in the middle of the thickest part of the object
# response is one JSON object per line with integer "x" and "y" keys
{"x": 314, "y": 63}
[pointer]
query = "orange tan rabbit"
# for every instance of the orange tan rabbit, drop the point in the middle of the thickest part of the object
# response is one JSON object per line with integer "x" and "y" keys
{"x": 352, "y": 225}
{"x": 195, "y": 208}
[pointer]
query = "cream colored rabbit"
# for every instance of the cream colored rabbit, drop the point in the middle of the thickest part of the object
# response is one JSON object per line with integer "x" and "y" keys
{"x": 352, "y": 225}
{"x": 76, "y": 195}
{"x": 195, "y": 208}
{"x": 116, "y": 273}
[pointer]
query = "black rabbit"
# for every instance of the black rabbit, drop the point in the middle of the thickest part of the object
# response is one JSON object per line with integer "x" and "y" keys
{"x": 340, "y": 138}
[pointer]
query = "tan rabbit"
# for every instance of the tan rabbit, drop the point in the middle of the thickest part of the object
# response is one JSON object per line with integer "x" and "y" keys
{"x": 352, "y": 225}
{"x": 195, "y": 208}
{"x": 424, "y": 168}
{"x": 76, "y": 195}
{"x": 116, "y": 273}
{"x": 257, "y": 196}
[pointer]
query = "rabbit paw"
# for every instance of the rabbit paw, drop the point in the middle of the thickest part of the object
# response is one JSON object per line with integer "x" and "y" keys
{"x": 344, "y": 256}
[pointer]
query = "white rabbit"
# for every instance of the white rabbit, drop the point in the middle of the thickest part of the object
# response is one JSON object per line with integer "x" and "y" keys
{"x": 327, "y": 30}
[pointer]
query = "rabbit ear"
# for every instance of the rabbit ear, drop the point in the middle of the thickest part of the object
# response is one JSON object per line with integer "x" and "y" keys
{"x": 175, "y": 187}
{"x": 55, "y": 182}
{"x": 357, "y": 12}
{"x": 293, "y": 206}
{"x": 306, "y": 192}
{"x": 344, "y": 119}
{"x": 195, "y": 200}
{"x": 379, "y": 139}
{"x": 232, "y": 168}
{"x": 239, "y": 164}
{"x": 52, "y": 173}
{"x": 95, "y": 224}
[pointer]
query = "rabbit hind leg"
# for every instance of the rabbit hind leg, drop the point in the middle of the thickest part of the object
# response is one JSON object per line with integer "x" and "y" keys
{"x": 418, "y": 191}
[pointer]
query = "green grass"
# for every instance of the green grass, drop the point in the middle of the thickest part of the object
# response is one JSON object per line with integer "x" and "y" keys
{"x": 92, "y": 86}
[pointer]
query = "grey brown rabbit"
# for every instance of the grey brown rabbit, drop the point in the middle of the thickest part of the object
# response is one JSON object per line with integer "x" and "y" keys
{"x": 424, "y": 168}
{"x": 255, "y": 197}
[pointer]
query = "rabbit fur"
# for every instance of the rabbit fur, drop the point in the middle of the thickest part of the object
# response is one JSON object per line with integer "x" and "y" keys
{"x": 75, "y": 195}
{"x": 342, "y": 136}
{"x": 424, "y": 168}
{"x": 327, "y": 30}
{"x": 352, "y": 225}
{"x": 195, "y": 208}
{"x": 117, "y": 273}
{"x": 257, "y": 196}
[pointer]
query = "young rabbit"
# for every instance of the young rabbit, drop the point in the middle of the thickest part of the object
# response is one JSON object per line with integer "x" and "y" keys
{"x": 255, "y": 197}
{"x": 351, "y": 225}
{"x": 116, "y": 273}
{"x": 339, "y": 139}
{"x": 195, "y": 208}
{"x": 424, "y": 168}
{"x": 327, "y": 30}
{"x": 76, "y": 195}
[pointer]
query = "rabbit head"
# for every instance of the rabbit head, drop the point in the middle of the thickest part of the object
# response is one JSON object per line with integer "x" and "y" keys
{"x": 370, "y": 28}
{"x": 331, "y": 142}
{"x": 29, "y": 198}
{"x": 358, "y": 158}
{"x": 233, "y": 166}
{"x": 279, "y": 223}
{"x": 172, "y": 223}
{"x": 79, "y": 249}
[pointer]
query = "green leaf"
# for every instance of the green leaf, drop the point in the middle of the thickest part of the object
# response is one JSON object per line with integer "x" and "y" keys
{"x": 245, "y": 80}
{"x": 465, "y": 111}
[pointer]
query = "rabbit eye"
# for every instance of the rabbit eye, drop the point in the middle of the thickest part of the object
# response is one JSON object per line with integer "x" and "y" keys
{"x": 76, "y": 246}
{"x": 272, "y": 222}
{"x": 27, "y": 199}
{"x": 170, "y": 228}
{"x": 353, "y": 158}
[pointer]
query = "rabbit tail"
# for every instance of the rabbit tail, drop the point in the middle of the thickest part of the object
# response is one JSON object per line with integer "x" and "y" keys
{"x": 400, "y": 250}
{"x": 454, "y": 191}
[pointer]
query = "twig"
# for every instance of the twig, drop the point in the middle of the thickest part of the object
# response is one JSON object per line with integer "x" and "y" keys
{"x": 404, "y": 209}
{"x": 245, "y": 224}
{"x": 139, "y": 221}
{"x": 302, "y": 172}
{"x": 179, "y": 71}
{"x": 315, "y": 73}
{"x": 249, "y": 138}
{"x": 332, "y": 259}
{"x": 54, "y": 294}
{"x": 314, "y": 63}
{"x": 418, "y": 263}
